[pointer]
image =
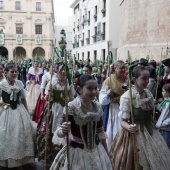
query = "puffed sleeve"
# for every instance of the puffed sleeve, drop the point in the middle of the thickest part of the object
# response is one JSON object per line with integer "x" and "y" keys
{"x": 125, "y": 106}
{"x": 56, "y": 139}
{"x": 47, "y": 88}
{"x": 44, "y": 82}
{"x": 103, "y": 98}
{"x": 23, "y": 93}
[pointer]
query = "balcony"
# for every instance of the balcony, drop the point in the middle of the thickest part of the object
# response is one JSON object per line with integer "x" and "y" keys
{"x": 82, "y": 43}
{"x": 103, "y": 35}
{"x": 87, "y": 41}
{"x": 94, "y": 39}
{"x": 103, "y": 12}
{"x": 95, "y": 17}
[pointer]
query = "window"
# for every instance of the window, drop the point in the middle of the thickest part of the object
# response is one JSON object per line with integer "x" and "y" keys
{"x": 38, "y": 29}
{"x": 88, "y": 54}
{"x": 95, "y": 55}
{"x": 103, "y": 52}
{"x": 1, "y": 5}
{"x": 19, "y": 29}
{"x": 17, "y": 5}
{"x": 38, "y": 6}
{"x": 95, "y": 14}
{"x": 103, "y": 31}
{"x": 88, "y": 18}
{"x": 83, "y": 56}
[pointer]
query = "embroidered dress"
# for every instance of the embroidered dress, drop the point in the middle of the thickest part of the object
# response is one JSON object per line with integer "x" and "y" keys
{"x": 55, "y": 117}
{"x": 33, "y": 88}
{"x": 152, "y": 152}
{"x": 86, "y": 150}
{"x": 16, "y": 130}
{"x": 41, "y": 103}
{"x": 111, "y": 107}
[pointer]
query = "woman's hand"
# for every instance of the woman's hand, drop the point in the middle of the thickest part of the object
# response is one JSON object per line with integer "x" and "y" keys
{"x": 42, "y": 97}
{"x": 110, "y": 93}
{"x": 132, "y": 128}
{"x": 65, "y": 127}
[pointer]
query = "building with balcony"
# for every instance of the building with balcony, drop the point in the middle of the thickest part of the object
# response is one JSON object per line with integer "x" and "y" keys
{"x": 26, "y": 29}
{"x": 95, "y": 28}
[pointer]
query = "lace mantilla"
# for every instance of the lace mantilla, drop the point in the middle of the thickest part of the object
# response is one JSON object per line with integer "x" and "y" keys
{"x": 56, "y": 85}
{"x": 13, "y": 90}
{"x": 74, "y": 109}
{"x": 145, "y": 104}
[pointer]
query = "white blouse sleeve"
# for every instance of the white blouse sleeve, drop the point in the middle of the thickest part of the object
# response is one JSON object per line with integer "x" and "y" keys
{"x": 23, "y": 93}
{"x": 47, "y": 88}
{"x": 44, "y": 82}
{"x": 124, "y": 106}
{"x": 103, "y": 98}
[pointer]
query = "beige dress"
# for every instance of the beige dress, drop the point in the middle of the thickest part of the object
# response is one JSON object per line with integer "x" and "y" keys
{"x": 152, "y": 152}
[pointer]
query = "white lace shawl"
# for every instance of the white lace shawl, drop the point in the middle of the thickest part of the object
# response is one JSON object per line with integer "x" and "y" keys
{"x": 74, "y": 109}
{"x": 145, "y": 104}
{"x": 13, "y": 90}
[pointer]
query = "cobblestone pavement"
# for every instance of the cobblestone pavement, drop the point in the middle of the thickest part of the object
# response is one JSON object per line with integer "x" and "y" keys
{"x": 31, "y": 166}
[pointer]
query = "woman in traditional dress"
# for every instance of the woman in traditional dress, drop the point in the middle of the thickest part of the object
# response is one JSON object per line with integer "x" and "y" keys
{"x": 16, "y": 132}
{"x": 113, "y": 87}
{"x": 88, "y": 150}
{"x": 33, "y": 86}
{"x": 41, "y": 101}
{"x": 151, "y": 150}
{"x": 55, "y": 115}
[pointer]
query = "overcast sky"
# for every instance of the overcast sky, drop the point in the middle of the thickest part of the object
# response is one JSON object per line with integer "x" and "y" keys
{"x": 62, "y": 10}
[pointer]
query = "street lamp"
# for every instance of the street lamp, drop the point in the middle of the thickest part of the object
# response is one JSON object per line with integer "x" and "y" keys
{"x": 62, "y": 42}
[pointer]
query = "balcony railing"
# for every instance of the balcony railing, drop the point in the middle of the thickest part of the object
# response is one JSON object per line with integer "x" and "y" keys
{"x": 87, "y": 41}
{"x": 103, "y": 36}
{"x": 103, "y": 12}
{"x": 94, "y": 39}
{"x": 95, "y": 17}
{"x": 82, "y": 43}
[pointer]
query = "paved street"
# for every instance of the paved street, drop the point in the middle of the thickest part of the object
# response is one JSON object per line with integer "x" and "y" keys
{"x": 31, "y": 166}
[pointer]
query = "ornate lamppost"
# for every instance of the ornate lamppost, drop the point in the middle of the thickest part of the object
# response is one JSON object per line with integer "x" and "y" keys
{"x": 62, "y": 44}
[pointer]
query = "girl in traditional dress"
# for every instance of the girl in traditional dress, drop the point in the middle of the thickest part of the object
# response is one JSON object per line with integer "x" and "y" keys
{"x": 163, "y": 122}
{"x": 55, "y": 115}
{"x": 88, "y": 150}
{"x": 16, "y": 132}
{"x": 41, "y": 101}
{"x": 110, "y": 94}
{"x": 151, "y": 150}
{"x": 33, "y": 86}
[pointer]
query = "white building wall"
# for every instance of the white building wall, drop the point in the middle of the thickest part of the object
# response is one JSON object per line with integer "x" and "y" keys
{"x": 111, "y": 21}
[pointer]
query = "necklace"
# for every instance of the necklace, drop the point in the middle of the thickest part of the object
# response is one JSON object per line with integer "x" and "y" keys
{"x": 85, "y": 105}
{"x": 11, "y": 82}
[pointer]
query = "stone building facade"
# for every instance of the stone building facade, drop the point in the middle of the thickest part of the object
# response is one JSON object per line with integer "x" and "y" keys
{"x": 145, "y": 28}
{"x": 26, "y": 29}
